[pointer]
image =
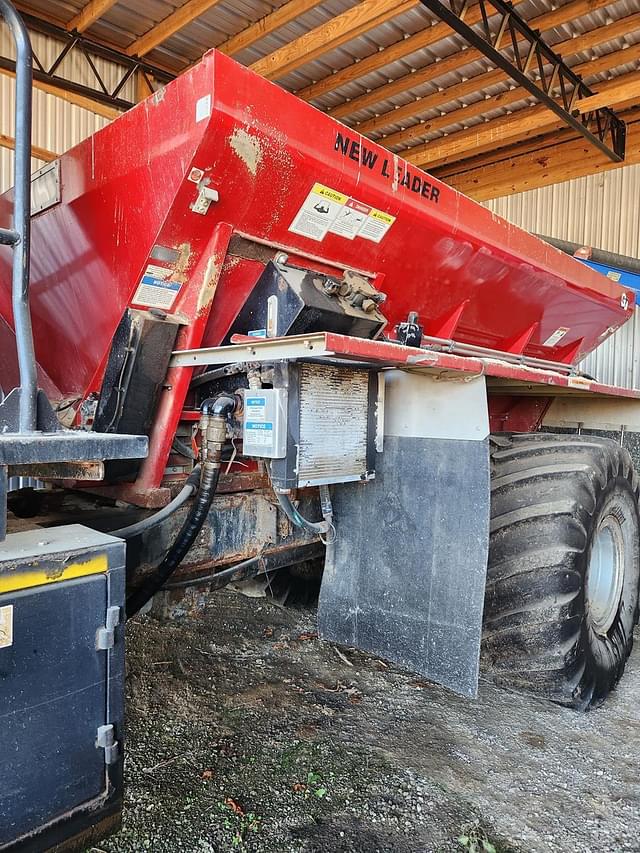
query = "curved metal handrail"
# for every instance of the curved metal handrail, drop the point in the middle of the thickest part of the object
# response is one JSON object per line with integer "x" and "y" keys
{"x": 19, "y": 237}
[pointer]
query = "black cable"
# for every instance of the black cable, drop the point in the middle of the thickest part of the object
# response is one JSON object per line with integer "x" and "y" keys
{"x": 183, "y": 449}
{"x": 144, "y": 525}
{"x": 298, "y": 519}
{"x": 217, "y": 373}
{"x": 184, "y": 540}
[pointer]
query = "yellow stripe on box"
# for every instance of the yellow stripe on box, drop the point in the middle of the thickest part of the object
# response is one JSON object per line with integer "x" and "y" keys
{"x": 23, "y": 580}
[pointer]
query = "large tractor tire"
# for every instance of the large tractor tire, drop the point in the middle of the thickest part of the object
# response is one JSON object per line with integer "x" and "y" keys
{"x": 564, "y": 565}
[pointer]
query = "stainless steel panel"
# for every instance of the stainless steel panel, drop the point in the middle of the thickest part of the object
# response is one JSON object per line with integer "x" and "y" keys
{"x": 333, "y": 424}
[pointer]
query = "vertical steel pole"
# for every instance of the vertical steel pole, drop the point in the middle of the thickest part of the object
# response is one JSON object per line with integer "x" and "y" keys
{"x": 22, "y": 220}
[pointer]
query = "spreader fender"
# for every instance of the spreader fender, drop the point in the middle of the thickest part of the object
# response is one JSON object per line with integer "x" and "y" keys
{"x": 405, "y": 577}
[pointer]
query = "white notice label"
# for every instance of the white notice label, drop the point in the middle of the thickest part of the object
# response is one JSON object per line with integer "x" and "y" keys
{"x": 556, "y": 337}
{"x": 156, "y": 289}
{"x": 6, "y": 626}
{"x": 260, "y": 434}
{"x": 256, "y": 408}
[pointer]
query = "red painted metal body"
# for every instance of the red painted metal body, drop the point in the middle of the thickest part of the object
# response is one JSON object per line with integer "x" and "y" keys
{"x": 131, "y": 187}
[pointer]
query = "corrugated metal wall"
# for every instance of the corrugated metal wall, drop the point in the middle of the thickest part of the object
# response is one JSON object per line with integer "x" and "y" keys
{"x": 599, "y": 210}
{"x": 57, "y": 125}
{"x": 617, "y": 360}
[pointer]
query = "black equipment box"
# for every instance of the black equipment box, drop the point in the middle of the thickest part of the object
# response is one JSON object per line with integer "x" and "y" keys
{"x": 61, "y": 688}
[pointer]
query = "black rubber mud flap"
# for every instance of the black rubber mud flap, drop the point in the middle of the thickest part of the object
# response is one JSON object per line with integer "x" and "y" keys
{"x": 405, "y": 579}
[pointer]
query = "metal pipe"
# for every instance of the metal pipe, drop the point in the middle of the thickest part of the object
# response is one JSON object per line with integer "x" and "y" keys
{"x": 599, "y": 256}
{"x": 22, "y": 221}
{"x": 457, "y": 348}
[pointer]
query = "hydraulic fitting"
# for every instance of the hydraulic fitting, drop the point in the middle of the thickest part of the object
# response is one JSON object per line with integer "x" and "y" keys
{"x": 215, "y": 411}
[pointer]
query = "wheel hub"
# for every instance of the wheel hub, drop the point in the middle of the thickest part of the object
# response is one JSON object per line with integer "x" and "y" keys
{"x": 605, "y": 574}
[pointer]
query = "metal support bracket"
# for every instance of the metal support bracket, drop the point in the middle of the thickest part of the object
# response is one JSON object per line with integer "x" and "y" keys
{"x": 206, "y": 195}
{"x": 522, "y": 54}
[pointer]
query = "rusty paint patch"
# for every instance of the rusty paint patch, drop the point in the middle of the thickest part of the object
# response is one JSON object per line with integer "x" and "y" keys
{"x": 247, "y": 148}
{"x": 182, "y": 264}
{"x": 209, "y": 285}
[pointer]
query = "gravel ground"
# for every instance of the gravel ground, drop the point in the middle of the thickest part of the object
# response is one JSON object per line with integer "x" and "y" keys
{"x": 245, "y": 732}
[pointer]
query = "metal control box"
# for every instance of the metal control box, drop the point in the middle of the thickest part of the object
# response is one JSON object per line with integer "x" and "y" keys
{"x": 289, "y": 300}
{"x": 61, "y": 687}
{"x": 264, "y": 423}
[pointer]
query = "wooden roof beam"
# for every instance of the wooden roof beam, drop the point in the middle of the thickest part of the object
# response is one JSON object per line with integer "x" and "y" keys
{"x": 535, "y": 141}
{"x": 476, "y": 162}
{"x": 566, "y": 48}
{"x": 606, "y": 62}
{"x": 459, "y": 116}
{"x": 533, "y": 120}
{"x": 89, "y": 14}
{"x": 165, "y": 29}
{"x": 36, "y": 151}
{"x": 265, "y": 26}
{"x": 564, "y": 160}
{"x": 429, "y": 36}
{"x": 398, "y": 50}
{"x": 330, "y": 35}
{"x": 532, "y": 139}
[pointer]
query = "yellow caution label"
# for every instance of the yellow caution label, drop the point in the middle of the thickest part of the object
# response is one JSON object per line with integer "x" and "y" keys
{"x": 332, "y": 195}
{"x": 382, "y": 217}
{"x": 13, "y": 581}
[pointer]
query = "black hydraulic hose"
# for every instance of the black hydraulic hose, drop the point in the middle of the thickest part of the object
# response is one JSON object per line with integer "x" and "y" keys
{"x": 183, "y": 449}
{"x": 218, "y": 373}
{"x": 186, "y": 537}
{"x": 291, "y": 511}
{"x": 221, "y": 406}
{"x": 215, "y": 412}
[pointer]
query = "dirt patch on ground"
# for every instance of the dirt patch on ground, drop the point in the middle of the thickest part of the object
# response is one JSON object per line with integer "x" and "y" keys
{"x": 245, "y": 732}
